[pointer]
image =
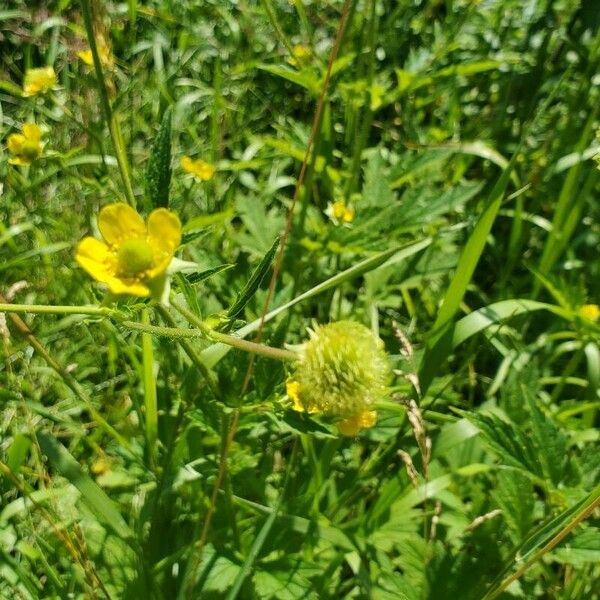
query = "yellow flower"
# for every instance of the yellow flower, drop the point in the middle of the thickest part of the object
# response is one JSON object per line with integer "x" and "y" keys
{"x": 198, "y": 168}
{"x": 301, "y": 54}
{"x": 133, "y": 258}
{"x": 339, "y": 212}
{"x": 103, "y": 52}
{"x": 590, "y": 311}
{"x": 25, "y": 147}
{"x": 38, "y": 81}
{"x": 342, "y": 371}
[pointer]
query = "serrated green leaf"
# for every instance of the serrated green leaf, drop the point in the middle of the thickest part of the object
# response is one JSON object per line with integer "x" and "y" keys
{"x": 512, "y": 446}
{"x": 551, "y": 444}
{"x": 194, "y": 278}
{"x": 158, "y": 171}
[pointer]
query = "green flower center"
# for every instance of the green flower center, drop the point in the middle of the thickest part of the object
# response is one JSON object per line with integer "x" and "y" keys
{"x": 134, "y": 257}
{"x": 30, "y": 150}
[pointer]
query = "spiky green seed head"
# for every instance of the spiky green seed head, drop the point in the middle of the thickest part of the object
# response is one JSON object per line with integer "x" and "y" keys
{"x": 343, "y": 370}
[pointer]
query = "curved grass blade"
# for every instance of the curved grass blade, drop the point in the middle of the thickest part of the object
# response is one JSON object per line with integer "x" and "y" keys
{"x": 496, "y": 313}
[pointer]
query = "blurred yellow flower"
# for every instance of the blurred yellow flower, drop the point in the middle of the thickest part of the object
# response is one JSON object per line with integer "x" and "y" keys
{"x": 134, "y": 256}
{"x": 103, "y": 52}
{"x": 301, "y": 54}
{"x": 25, "y": 147}
{"x": 38, "y": 81}
{"x": 590, "y": 311}
{"x": 198, "y": 168}
{"x": 340, "y": 212}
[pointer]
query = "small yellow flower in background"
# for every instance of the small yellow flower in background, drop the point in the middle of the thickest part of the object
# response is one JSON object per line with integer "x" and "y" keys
{"x": 25, "y": 147}
{"x": 198, "y": 168}
{"x": 590, "y": 311}
{"x": 38, "y": 81}
{"x": 134, "y": 256}
{"x": 343, "y": 372}
{"x": 104, "y": 53}
{"x": 340, "y": 212}
{"x": 301, "y": 54}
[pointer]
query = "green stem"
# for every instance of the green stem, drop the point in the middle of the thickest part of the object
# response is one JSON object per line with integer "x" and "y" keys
{"x": 192, "y": 354}
{"x": 231, "y": 340}
{"x": 150, "y": 399}
{"x": 100, "y": 311}
{"x": 111, "y": 118}
{"x": 276, "y": 26}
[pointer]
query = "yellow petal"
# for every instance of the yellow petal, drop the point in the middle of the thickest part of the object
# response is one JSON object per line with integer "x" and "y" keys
{"x": 32, "y": 132}
{"x": 200, "y": 169}
{"x": 292, "y": 389}
{"x": 15, "y": 142}
{"x": 19, "y": 161}
{"x": 94, "y": 256}
{"x": 348, "y": 215}
{"x": 118, "y": 222}
{"x": 131, "y": 288}
{"x": 86, "y": 57}
{"x": 352, "y": 425}
{"x": 164, "y": 236}
{"x": 164, "y": 230}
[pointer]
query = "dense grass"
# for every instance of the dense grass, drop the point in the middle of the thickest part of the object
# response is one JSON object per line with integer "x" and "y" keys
{"x": 142, "y": 457}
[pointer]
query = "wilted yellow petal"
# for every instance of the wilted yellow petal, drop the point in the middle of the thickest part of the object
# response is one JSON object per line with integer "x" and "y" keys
{"x": 118, "y": 222}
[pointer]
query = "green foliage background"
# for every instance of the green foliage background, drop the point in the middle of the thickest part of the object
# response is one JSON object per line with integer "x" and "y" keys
{"x": 463, "y": 134}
